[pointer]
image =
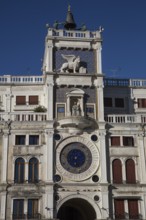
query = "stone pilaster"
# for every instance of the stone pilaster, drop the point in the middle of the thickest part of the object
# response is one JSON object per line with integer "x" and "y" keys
{"x": 4, "y": 163}
{"x": 103, "y": 157}
{"x": 142, "y": 164}
{"x": 99, "y": 59}
{"x": 142, "y": 205}
{"x": 50, "y": 87}
{"x": 49, "y": 156}
{"x": 105, "y": 205}
{"x": 99, "y": 99}
{"x": 3, "y": 205}
{"x": 48, "y": 58}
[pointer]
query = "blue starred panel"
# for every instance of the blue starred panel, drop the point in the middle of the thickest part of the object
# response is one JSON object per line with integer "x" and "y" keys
{"x": 87, "y": 59}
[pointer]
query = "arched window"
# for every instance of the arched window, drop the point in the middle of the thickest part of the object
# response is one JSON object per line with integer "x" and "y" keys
{"x": 19, "y": 170}
{"x": 33, "y": 170}
{"x": 117, "y": 171}
{"x": 130, "y": 171}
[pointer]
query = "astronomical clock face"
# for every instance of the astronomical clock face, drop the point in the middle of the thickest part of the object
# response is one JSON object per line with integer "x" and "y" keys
{"x": 77, "y": 158}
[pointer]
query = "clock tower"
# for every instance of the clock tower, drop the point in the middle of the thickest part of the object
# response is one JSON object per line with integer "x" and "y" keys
{"x": 76, "y": 154}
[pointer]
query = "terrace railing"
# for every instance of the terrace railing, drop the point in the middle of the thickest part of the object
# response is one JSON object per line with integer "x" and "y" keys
{"x": 41, "y": 116}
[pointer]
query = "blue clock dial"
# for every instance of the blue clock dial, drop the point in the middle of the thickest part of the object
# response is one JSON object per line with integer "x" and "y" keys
{"x": 76, "y": 157}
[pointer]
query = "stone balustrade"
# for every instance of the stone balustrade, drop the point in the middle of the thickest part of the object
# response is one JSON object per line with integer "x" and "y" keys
{"x": 23, "y": 116}
{"x": 33, "y": 116}
{"x": 113, "y": 82}
{"x": 6, "y": 79}
{"x": 125, "y": 118}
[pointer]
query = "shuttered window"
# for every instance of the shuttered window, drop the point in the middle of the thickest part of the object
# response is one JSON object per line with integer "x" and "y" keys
{"x": 128, "y": 141}
{"x": 32, "y": 208}
{"x": 20, "y": 100}
{"x": 90, "y": 111}
{"x": 19, "y": 170}
{"x": 108, "y": 102}
{"x": 141, "y": 103}
{"x": 130, "y": 171}
{"x": 119, "y": 209}
{"x": 133, "y": 209}
{"x": 33, "y": 139}
{"x": 33, "y": 170}
{"x": 18, "y": 209}
{"x": 20, "y": 139}
{"x": 33, "y": 100}
{"x": 60, "y": 111}
{"x": 117, "y": 171}
{"x": 119, "y": 102}
{"x": 115, "y": 141}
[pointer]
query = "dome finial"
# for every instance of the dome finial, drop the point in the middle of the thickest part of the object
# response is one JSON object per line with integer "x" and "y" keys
{"x": 69, "y": 7}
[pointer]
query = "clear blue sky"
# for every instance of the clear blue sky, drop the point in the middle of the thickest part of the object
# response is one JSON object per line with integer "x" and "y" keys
{"x": 23, "y": 31}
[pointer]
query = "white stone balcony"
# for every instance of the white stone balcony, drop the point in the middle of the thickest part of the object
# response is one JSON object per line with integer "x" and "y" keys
{"x": 23, "y": 116}
{"x": 7, "y": 79}
{"x": 113, "y": 82}
{"x": 125, "y": 118}
{"x": 71, "y": 121}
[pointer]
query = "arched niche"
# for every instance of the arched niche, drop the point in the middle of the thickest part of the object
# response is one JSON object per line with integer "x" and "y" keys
{"x": 75, "y": 98}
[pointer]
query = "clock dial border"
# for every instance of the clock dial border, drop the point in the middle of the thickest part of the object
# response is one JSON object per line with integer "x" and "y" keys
{"x": 92, "y": 168}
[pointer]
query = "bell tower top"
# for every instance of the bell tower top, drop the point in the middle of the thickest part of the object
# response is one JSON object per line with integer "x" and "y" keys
{"x": 69, "y": 23}
{"x": 72, "y": 50}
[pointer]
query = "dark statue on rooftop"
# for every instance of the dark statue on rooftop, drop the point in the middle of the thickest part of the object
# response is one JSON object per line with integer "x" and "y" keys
{"x": 69, "y": 24}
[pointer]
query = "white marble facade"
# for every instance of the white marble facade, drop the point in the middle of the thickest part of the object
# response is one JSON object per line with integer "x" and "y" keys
{"x": 58, "y": 163}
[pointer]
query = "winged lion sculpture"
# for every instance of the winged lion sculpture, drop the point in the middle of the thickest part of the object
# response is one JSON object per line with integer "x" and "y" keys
{"x": 73, "y": 63}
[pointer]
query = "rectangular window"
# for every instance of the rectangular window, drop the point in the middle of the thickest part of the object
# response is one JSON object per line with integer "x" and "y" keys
{"x": 133, "y": 209}
{"x": 33, "y": 209}
{"x": 90, "y": 111}
{"x": 60, "y": 111}
{"x": 119, "y": 102}
{"x": 18, "y": 209}
{"x": 20, "y": 100}
{"x": 33, "y": 100}
{"x": 141, "y": 103}
{"x": 115, "y": 141}
{"x": 108, "y": 102}
{"x": 20, "y": 139}
{"x": 119, "y": 209}
{"x": 128, "y": 141}
{"x": 33, "y": 139}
